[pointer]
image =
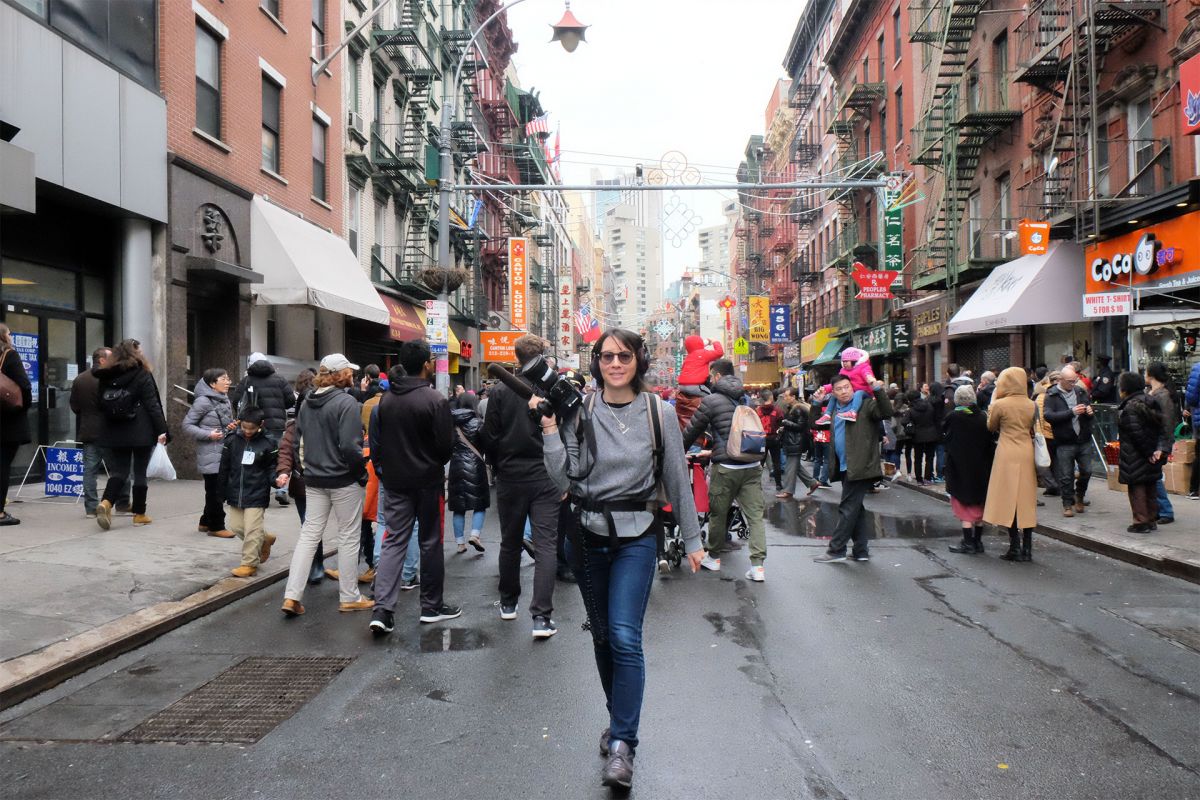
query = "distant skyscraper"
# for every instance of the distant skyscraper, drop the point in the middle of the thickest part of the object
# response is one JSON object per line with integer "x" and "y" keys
{"x": 647, "y": 205}
{"x": 715, "y": 242}
{"x": 634, "y": 250}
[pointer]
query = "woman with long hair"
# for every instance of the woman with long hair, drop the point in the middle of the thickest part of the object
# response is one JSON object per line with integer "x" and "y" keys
{"x": 1012, "y": 488}
{"x": 133, "y": 424}
{"x": 1140, "y": 433}
{"x": 208, "y": 421}
{"x": 467, "y": 480}
{"x": 14, "y": 418}
{"x": 605, "y": 457}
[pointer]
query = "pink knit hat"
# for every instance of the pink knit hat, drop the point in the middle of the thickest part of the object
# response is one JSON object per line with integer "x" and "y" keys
{"x": 852, "y": 354}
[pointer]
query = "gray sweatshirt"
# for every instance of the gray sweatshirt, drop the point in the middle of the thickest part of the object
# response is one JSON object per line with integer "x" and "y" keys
{"x": 624, "y": 467}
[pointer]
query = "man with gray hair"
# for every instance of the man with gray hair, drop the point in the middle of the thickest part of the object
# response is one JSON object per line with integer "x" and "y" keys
{"x": 1068, "y": 409}
{"x": 987, "y": 385}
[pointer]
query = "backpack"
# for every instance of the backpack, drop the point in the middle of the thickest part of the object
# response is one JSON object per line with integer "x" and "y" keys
{"x": 747, "y": 439}
{"x": 118, "y": 404}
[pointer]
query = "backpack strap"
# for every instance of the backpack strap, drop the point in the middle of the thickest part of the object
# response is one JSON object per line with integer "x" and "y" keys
{"x": 585, "y": 436}
{"x": 654, "y": 411}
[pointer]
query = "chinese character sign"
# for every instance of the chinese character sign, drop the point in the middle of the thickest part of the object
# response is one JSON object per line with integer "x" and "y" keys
{"x": 499, "y": 345}
{"x": 565, "y": 334}
{"x": 64, "y": 472}
{"x": 781, "y": 324}
{"x": 759, "y": 318}
{"x": 518, "y": 283}
{"x": 893, "y": 238}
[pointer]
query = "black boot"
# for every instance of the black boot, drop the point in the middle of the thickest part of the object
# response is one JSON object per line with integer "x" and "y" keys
{"x": 967, "y": 545}
{"x": 1014, "y": 546}
{"x": 1027, "y": 544}
{"x": 139, "y": 499}
{"x": 977, "y": 538}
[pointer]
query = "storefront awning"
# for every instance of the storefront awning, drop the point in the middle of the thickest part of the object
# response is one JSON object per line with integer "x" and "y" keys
{"x": 831, "y": 353}
{"x": 304, "y": 265}
{"x": 405, "y": 322}
{"x": 1031, "y": 290}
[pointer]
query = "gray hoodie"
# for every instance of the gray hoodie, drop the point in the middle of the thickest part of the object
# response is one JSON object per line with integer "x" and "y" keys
{"x": 329, "y": 430}
{"x": 210, "y": 411}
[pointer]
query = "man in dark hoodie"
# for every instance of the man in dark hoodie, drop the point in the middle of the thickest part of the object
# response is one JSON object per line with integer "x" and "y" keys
{"x": 412, "y": 437}
{"x": 264, "y": 388}
{"x": 730, "y": 480}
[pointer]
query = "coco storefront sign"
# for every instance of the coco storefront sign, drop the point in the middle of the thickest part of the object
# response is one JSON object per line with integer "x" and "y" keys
{"x": 1164, "y": 256}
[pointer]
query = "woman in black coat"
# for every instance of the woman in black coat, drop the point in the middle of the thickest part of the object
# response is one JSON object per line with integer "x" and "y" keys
{"x": 969, "y": 451}
{"x": 469, "y": 489}
{"x": 795, "y": 433}
{"x": 921, "y": 424}
{"x": 1139, "y": 427}
{"x": 14, "y": 422}
{"x": 133, "y": 424}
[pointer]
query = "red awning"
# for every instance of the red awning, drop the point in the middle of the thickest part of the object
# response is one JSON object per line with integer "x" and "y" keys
{"x": 403, "y": 321}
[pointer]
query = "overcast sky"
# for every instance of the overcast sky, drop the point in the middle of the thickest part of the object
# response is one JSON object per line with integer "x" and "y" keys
{"x": 655, "y": 76}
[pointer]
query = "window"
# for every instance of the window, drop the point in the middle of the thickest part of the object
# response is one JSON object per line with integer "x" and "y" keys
{"x": 1000, "y": 69}
{"x": 123, "y": 32}
{"x": 973, "y": 88}
{"x": 318, "y": 159}
{"x": 355, "y": 203}
{"x": 1141, "y": 145}
{"x": 879, "y": 49}
{"x": 899, "y": 115}
{"x": 318, "y": 29}
{"x": 896, "y": 34}
{"x": 355, "y": 73}
{"x": 270, "y": 124}
{"x": 1004, "y": 203}
{"x": 883, "y": 135}
{"x": 380, "y": 233}
{"x": 974, "y": 224}
{"x": 208, "y": 82}
{"x": 271, "y": 7}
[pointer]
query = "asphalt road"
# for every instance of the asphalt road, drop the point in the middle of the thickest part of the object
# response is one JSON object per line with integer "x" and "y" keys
{"x": 919, "y": 675}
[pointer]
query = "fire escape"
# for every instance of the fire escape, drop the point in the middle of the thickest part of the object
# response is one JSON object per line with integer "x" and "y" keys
{"x": 1061, "y": 50}
{"x": 963, "y": 109}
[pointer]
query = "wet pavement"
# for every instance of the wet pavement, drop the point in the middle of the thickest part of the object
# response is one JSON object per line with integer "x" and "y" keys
{"x": 919, "y": 675}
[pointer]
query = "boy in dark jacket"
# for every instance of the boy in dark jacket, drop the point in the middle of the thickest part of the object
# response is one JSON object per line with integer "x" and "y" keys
{"x": 247, "y": 473}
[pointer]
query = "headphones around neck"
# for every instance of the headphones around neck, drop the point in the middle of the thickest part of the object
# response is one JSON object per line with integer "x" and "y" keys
{"x": 642, "y": 356}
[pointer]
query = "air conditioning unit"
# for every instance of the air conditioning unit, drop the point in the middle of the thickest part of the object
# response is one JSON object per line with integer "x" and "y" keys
{"x": 494, "y": 320}
{"x": 355, "y": 121}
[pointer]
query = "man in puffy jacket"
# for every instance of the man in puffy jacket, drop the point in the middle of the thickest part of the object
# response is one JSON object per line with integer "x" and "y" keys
{"x": 1191, "y": 408}
{"x": 771, "y": 418}
{"x": 730, "y": 479}
{"x": 1067, "y": 408}
{"x": 264, "y": 388}
{"x": 85, "y": 402}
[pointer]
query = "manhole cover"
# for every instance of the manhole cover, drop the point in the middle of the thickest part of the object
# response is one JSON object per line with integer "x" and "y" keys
{"x": 242, "y": 704}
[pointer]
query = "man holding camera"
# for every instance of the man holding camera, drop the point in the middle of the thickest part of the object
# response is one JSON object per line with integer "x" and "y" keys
{"x": 513, "y": 441}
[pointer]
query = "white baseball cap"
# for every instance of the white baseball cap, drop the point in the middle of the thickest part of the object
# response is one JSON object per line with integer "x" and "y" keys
{"x": 335, "y": 362}
{"x": 254, "y": 358}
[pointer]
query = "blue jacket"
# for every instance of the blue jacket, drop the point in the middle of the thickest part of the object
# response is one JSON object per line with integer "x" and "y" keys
{"x": 1191, "y": 396}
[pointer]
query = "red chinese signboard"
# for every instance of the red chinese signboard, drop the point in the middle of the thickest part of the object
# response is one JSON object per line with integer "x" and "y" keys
{"x": 518, "y": 278}
{"x": 499, "y": 345}
{"x": 873, "y": 284}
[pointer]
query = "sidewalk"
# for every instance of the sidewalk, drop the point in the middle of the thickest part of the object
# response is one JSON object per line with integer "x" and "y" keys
{"x": 1173, "y": 550}
{"x": 74, "y": 595}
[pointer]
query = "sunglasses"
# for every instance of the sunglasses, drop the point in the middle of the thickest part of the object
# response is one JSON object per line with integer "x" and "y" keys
{"x": 625, "y": 357}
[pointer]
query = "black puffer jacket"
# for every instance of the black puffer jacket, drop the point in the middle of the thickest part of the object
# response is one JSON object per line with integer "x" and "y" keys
{"x": 970, "y": 448}
{"x": 147, "y": 424}
{"x": 270, "y": 392}
{"x": 715, "y": 415}
{"x": 248, "y": 485}
{"x": 795, "y": 430}
{"x": 923, "y": 416}
{"x": 1140, "y": 432}
{"x": 468, "y": 476}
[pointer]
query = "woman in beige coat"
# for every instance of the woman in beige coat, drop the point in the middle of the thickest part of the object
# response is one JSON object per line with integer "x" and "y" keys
{"x": 1012, "y": 490}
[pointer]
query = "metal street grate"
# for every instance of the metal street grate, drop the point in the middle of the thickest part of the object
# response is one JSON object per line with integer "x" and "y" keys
{"x": 242, "y": 704}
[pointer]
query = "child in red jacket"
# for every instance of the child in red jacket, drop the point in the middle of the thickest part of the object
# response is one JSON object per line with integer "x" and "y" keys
{"x": 694, "y": 375}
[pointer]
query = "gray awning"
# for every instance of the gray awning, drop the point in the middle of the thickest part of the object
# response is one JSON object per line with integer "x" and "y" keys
{"x": 1031, "y": 290}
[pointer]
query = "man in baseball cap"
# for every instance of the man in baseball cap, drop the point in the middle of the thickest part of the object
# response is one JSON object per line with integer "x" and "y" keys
{"x": 336, "y": 362}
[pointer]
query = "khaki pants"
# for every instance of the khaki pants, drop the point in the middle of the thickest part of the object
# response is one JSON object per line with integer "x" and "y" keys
{"x": 745, "y": 486}
{"x": 247, "y": 523}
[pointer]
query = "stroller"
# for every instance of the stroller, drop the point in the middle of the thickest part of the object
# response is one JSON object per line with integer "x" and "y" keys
{"x": 671, "y": 551}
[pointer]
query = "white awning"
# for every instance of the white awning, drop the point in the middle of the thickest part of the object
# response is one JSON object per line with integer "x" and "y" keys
{"x": 1030, "y": 290}
{"x": 308, "y": 266}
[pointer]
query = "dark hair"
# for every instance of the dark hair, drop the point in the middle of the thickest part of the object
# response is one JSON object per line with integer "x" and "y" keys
{"x": 469, "y": 400}
{"x": 98, "y": 354}
{"x": 912, "y": 395}
{"x": 127, "y": 354}
{"x": 212, "y": 375}
{"x": 838, "y": 379}
{"x": 635, "y": 344}
{"x": 254, "y": 415}
{"x": 396, "y": 373}
{"x": 722, "y": 366}
{"x": 527, "y": 346}
{"x": 1040, "y": 371}
{"x": 414, "y": 354}
{"x": 1130, "y": 383}
{"x": 304, "y": 384}
{"x": 1157, "y": 370}
{"x": 371, "y": 371}
{"x": 766, "y": 396}
{"x": 953, "y": 370}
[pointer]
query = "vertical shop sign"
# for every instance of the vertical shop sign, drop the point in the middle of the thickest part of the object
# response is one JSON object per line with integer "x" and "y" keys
{"x": 566, "y": 315}
{"x": 893, "y": 238}
{"x": 759, "y": 318}
{"x": 781, "y": 324}
{"x": 26, "y": 345}
{"x": 518, "y": 283}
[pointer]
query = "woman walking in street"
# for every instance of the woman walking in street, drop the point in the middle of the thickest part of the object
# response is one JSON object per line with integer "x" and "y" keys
{"x": 1159, "y": 390}
{"x": 14, "y": 415}
{"x": 612, "y": 475}
{"x": 921, "y": 425}
{"x": 1012, "y": 489}
{"x": 794, "y": 433}
{"x": 1139, "y": 431}
{"x": 468, "y": 483}
{"x": 208, "y": 421}
{"x": 969, "y": 452}
{"x": 133, "y": 424}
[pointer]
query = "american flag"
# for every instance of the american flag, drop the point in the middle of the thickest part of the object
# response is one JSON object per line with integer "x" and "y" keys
{"x": 583, "y": 318}
{"x": 538, "y": 125}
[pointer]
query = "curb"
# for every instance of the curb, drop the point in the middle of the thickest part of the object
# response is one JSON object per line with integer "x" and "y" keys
{"x": 33, "y": 673}
{"x": 1167, "y": 565}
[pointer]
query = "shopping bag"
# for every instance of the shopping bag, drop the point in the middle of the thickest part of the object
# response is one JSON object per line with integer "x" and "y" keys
{"x": 160, "y": 467}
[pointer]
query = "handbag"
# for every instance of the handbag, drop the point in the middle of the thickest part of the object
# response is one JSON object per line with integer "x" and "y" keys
{"x": 10, "y": 394}
{"x": 1041, "y": 453}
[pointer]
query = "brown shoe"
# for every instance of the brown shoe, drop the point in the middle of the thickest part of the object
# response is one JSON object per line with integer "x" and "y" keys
{"x": 292, "y": 608}
{"x": 265, "y": 552}
{"x": 244, "y": 571}
{"x": 202, "y": 529}
{"x": 367, "y": 576}
{"x": 358, "y": 605}
{"x": 141, "y": 519}
{"x": 1068, "y": 512}
{"x": 104, "y": 514}
{"x": 222, "y": 534}
{"x": 333, "y": 575}
{"x": 1080, "y": 507}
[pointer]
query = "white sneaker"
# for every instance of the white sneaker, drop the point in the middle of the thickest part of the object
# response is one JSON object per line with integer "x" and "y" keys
{"x": 710, "y": 563}
{"x": 756, "y": 574}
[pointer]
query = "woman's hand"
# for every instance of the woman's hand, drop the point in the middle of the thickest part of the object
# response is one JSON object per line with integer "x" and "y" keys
{"x": 231, "y": 425}
{"x": 694, "y": 559}
{"x": 1157, "y": 455}
{"x": 162, "y": 438}
{"x": 216, "y": 434}
{"x": 281, "y": 480}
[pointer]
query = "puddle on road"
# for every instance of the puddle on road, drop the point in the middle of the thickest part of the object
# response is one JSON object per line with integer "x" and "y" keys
{"x": 446, "y": 639}
{"x": 816, "y": 519}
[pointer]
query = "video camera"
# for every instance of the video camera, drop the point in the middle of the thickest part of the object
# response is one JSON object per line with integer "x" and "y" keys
{"x": 562, "y": 398}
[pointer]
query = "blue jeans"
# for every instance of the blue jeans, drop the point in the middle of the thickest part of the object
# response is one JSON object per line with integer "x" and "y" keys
{"x": 941, "y": 460}
{"x": 616, "y": 589}
{"x": 820, "y": 468}
{"x": 460, "y": 523}
{"x": 528, "y": 530}
{"x": 93, "y": 457}
{"x": 1165, "y": 509}
{"x": 412, "y": 556}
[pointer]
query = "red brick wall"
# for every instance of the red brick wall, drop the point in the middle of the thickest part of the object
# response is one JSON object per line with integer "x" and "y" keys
{"x": 253, "y": 35}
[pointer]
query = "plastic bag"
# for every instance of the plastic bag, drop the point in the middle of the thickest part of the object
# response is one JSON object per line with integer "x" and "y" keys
{"x": 160, "y": 467}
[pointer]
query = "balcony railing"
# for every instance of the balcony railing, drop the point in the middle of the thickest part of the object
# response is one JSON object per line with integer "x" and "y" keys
{"x": 860, "y": 93}
{"x": 983, "y": 100}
